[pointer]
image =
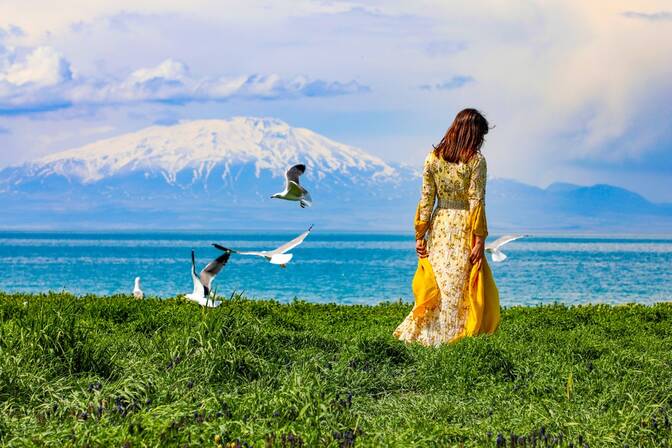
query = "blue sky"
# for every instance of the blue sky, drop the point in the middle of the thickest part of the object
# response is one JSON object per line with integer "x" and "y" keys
{"x": 579, "y": 91}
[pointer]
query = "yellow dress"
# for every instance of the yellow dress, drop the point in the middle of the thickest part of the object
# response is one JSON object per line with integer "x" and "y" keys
{"x": 469, "y": 300}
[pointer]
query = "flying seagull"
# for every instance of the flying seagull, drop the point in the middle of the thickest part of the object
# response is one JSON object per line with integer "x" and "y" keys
{"x": 137, "y": 292}
{"x": 493, "y": 248}
{"x": 293, "y": 189}
{"x": 203, "y": 281}
{"x": 276, "y": 256}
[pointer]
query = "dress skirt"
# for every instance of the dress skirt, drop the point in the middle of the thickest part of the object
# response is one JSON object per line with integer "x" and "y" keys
{"x": 449, "y": 246}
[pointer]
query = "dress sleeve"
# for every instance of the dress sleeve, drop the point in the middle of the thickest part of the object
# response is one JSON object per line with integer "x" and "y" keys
{"x": 427, "y": 197}
{"x": 479, "y": 225}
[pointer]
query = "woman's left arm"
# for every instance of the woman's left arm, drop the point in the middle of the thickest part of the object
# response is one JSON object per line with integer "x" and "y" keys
{"x": 428, "y": 194}
{"x": 425, "y": 207}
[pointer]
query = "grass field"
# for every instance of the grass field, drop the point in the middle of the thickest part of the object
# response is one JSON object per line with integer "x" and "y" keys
{"x": 113, "y": 371}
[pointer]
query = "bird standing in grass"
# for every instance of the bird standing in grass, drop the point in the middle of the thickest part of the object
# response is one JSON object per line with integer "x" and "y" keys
{"x": 137, "y": 291}
{"x": 293, "y": 190}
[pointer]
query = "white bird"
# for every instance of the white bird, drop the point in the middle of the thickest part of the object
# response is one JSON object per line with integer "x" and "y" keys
{"x": 293, "y": 189}
{"x": 277, "y": 256}
{"x": 493, "y": 248}
{"x": 203, "y": 281}
{"x": 137, "y": 292}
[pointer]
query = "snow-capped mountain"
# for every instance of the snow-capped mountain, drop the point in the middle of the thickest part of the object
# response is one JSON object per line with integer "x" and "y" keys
{"x": 218, "y": 170}
{"x": 200, "y": 146}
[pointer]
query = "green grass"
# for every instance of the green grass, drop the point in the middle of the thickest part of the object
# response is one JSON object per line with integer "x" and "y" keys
{"x": 113, "y": 371}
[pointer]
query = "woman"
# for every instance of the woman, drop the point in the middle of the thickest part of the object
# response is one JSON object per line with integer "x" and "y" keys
{"x": 453, "y": 238}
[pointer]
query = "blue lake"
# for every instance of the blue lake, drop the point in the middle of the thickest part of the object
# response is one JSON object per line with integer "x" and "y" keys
{"x": 331, "y": 267}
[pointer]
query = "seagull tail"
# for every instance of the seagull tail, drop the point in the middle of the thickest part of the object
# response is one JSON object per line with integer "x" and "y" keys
{"x": 498, "y": 256}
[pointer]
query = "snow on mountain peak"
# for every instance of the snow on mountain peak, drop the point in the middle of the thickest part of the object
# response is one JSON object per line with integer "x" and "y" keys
{"x": 201, "y": 144}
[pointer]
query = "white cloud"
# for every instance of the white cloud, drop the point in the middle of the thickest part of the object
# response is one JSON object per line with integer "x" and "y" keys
{"x": 42, "y": 67}
{"x": 167, "y": 70}
{"x": 43, "y": 81}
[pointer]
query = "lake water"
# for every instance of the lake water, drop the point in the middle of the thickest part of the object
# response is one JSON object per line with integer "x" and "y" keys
{"x": 331, "y": 267}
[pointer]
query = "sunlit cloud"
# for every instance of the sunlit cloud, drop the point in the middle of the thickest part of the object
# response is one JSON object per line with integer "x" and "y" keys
{"x": 43, "y": 81}
{"x": 42, "y": 67}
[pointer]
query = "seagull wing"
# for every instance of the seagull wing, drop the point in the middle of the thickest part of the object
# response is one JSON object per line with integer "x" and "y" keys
{"x": 292, "y": 244}
{"x": 295, "y": 191}
{"x": 258, "y": 254}
{"x": 213, "y": 268}
{"x": 499, "y": 242}
{"x": 226, "y": 249}
{"x": 293, "y": 173}
{"x": 199, "y": 290}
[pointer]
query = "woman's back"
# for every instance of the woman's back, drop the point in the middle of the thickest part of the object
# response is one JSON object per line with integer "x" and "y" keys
{"x": 453, "y": 180}
{"x": 454, "y": 185}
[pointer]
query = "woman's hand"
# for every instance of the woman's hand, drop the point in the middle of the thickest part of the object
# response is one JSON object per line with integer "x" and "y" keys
{"x": 421, "y": 248}
{"x": 477, "y": 251}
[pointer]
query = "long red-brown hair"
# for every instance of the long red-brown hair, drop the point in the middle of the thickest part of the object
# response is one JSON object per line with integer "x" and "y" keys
{"x": 464, "y": 138}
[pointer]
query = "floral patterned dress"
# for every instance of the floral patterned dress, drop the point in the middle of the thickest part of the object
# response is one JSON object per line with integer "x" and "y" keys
{"x": 459, "y": 191}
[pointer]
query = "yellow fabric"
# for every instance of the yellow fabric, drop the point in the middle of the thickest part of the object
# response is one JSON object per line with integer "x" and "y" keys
{"x": 421, "y": 227}
{"x": 477, "y": 222}
{"x": 425, "y": 289}
{"x": 482, "y": 298}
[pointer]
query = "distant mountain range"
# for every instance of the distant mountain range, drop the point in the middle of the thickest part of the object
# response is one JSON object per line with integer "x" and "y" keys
{"x": 563, "y": 207}
{"x": 219, "y": 174}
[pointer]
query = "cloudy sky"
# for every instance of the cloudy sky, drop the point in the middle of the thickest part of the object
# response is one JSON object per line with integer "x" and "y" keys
{"x": 578, "y": 91}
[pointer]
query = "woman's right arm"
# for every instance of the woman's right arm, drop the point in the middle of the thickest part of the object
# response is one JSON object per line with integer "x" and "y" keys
{"x": 479, "y": 225}
{"x": 425, "y": 207}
